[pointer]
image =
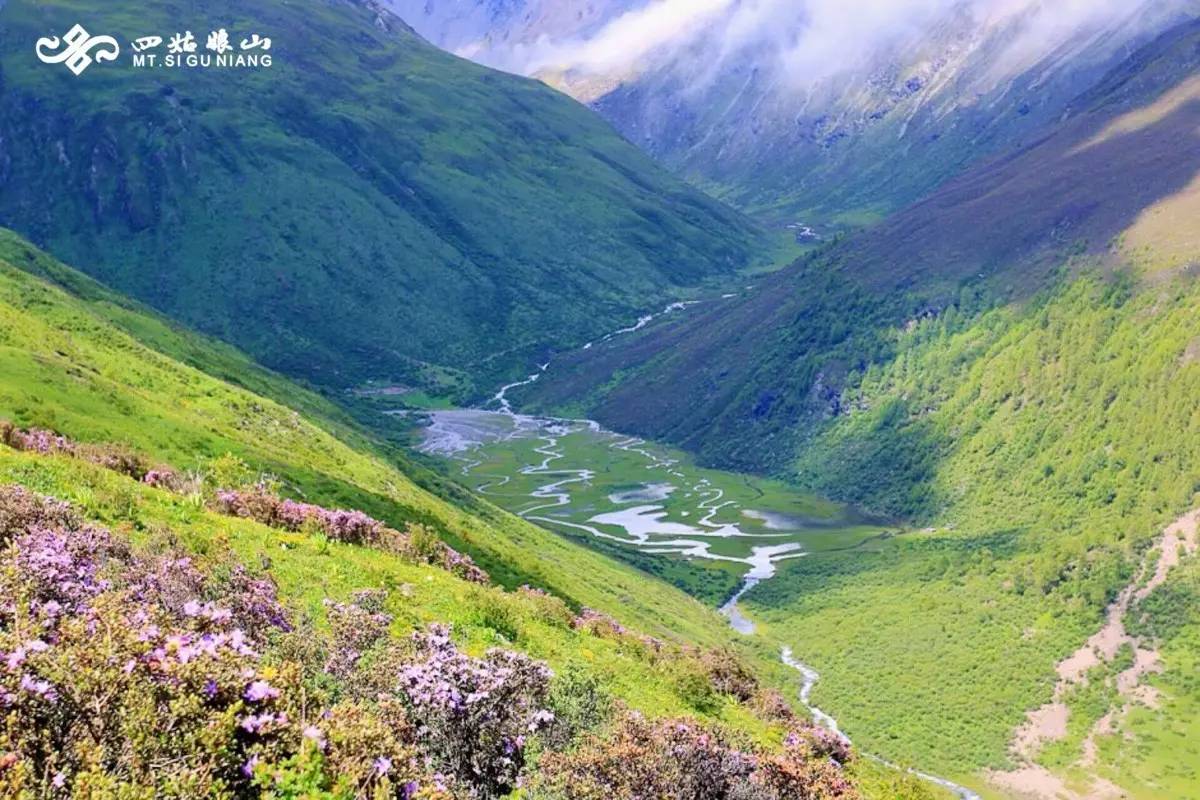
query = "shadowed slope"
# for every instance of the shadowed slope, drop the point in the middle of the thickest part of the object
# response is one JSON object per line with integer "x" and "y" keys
{"x": 1131, "y": 142}
{"x": 368, "y": 207}
{"x": 744, "y": 380}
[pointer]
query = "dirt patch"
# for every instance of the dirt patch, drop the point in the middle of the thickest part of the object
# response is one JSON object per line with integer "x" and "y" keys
{"x": 1145, "y": 662}
{"x": 1038, "y": 783}
{"x": 1049, "y": 723}
{"x": 1046, "y": 724}
{"x": 1103, "y": 727}
{"x": 1180, "y": 539}
{"x": 1102, "y": 646}
{"x": 1032, "y": 782}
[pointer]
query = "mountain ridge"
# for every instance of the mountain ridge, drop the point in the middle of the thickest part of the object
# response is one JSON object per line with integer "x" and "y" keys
{"x": 803, "y": 114}
{"x": 758, "y": 366}
{"x": 364, "y": 171}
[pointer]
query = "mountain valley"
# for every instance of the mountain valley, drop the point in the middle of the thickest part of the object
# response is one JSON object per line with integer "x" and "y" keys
{"x": 800, "y": 111}
{"x": 602, "y": 400}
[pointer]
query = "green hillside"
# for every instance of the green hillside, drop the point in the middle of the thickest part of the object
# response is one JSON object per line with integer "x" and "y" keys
{"x": 100, "y": 369}
{"x": 1010, "y": 367}
{"x": 110, "y": 376}
{"x": 368, "y": 207}
{"x": 1049, "y": 445}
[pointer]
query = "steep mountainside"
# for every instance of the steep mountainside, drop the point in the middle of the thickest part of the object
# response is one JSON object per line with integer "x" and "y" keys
{"x": 366, "y": 207}
{"x": 1011, "y": 362}
{"x": 748, "y": 377}
{"x": 852, "y": 147}
{"x": 801, "y": 111}
{"x": 485, "y": 29}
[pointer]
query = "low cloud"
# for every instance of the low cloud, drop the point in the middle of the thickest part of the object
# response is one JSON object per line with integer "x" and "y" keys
{"x": 805, "y": 41}
{"x": 631, "y": 37}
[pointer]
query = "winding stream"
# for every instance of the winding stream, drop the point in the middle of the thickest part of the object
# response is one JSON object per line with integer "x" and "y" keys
{"x": 810, "y": 678}
{"x": 639, "y": 513}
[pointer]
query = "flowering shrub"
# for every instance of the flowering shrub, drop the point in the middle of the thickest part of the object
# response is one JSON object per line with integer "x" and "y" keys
{"x": 666, "y": 760}
{"x": 418, "y": 544}
{"x": 44, "y": 442}
{"x": 102, "y": 691}
{"x": 82, "y": 659}
{"x": 772, "y": 706}
{"x": 169, "y": 480}
{"x": 115, "y": 458}
{"x": 56, "y": 571}
{"x": 105, "y": 695}
{"x": 598, "y": 624}
{"x": 35, "y": 440}
{"x": 125, "y": 675}
{"x": 174, "y": 582}
{"x": 681, "y": 760}
{"x": 21, "y": 510}
{"x": 729, "y": 675}
{"x": 652, "y": 645}
{"x": 476, "y": 714}
{"x": 810, "y": 766}
{"x": 459, "y": 564}
{"x": 358, "y": 626}
{"x": 259, "y": 503}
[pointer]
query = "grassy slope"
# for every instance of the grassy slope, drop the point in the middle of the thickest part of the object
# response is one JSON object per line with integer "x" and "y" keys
{"x": 102, "y": 370}
{"x": 1049, "y": 439}
{"x": 1058, "y": 438}
{"x": 308, "y": 572}
{"x": 292, "y": 211}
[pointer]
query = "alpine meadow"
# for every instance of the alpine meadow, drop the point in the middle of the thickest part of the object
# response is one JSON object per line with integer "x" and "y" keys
{"x": 600, "y": 400}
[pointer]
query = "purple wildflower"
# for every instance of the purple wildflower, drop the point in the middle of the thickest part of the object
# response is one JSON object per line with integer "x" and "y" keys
{"x": 260, "y": 691}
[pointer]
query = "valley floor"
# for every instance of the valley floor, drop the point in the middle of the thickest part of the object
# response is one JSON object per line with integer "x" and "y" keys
{"x": 717, "y": 535}
{"x": 722, "y": 536}
{"x": 704, "y": 530}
